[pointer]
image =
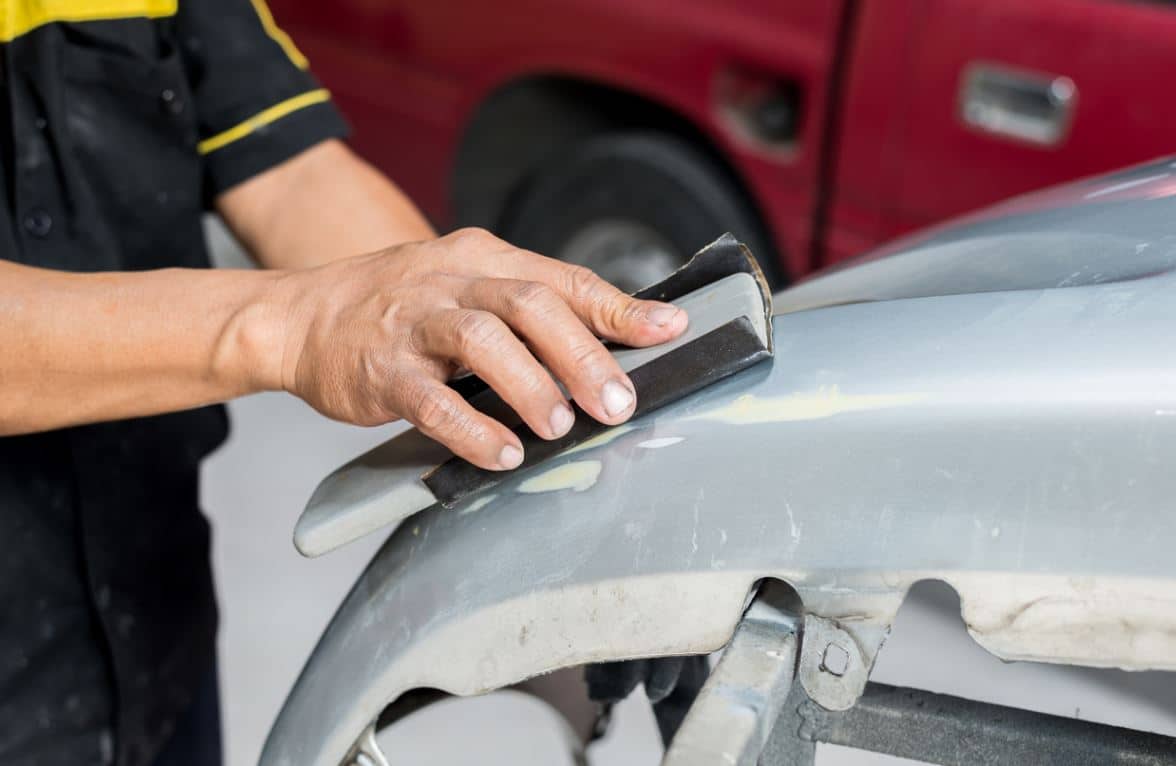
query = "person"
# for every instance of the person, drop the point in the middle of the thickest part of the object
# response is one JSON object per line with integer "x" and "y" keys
{"x": 123, "y": 122}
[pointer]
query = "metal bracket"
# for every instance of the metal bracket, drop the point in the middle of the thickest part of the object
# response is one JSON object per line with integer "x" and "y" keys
{"x": 732, "y": 717}
{"x": 733, "y": 714}
{"x": 833, "y": 670}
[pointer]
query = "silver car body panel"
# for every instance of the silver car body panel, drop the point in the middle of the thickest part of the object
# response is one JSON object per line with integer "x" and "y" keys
{"x": 1016, "y": 442}
{"x": 383, "y": 487}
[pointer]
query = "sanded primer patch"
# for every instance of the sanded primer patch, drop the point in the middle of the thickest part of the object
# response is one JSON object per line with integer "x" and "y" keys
{"x": 600, "y": 439}
{"x": 577, "y": 476}
{"x": 825, "y": 402}
{"x": 478, "y": 504}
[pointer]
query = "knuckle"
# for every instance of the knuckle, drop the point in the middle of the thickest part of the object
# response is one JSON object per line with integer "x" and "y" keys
{"x": 449, "y": 422}
{"x": 582, "y": 281}
{"x": 618, "y": 310}
{"x": 472, "y": 236}
{"x": 608, "y": 306}
{"x": 534, "y": 384}
{"x": 629, "y": 310}
{"x": 434, "y": 411}
{"x": 475, "y": 330}
{"x": 589, "y": 358}
{"x": 528, "y": 298}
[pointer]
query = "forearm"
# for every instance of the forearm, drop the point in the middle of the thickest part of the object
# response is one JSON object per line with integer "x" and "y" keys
{"x": 82, "y": 348}
{"x": 320, "y": 206}
{"x": 365, "y": 340}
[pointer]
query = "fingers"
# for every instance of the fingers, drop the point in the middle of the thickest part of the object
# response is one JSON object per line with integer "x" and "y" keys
{"x": 482, "y": 343}
{"x": 557, "y": 335}
{"x": 489, "y": 298}
{"x": 609, "y": 312}
{"x": 441, "y": 414}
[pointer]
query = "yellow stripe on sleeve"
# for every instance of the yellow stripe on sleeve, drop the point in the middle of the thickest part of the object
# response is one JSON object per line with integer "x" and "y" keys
{"x": 261, "y": 119}
{"x": 278, "y": 36}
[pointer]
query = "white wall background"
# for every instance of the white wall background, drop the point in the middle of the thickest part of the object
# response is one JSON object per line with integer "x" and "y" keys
{"x": 275, "y": 603}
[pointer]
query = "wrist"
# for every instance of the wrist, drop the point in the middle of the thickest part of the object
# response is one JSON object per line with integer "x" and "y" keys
{"x": 251, "y": 348}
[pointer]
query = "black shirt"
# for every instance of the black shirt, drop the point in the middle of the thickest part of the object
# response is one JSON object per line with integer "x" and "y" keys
{"x": 122, "y": 120}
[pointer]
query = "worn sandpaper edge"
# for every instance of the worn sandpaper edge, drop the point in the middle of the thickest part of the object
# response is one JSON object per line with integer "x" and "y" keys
{"x": 720, "y": 353}
{"x": 721, "y": 258}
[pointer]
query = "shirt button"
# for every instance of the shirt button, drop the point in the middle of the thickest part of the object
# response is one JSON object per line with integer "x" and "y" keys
{"x": 38, "y": 223}
{"x": 172, "y": 103}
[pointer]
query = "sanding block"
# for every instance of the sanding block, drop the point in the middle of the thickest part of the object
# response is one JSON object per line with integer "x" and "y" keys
{"x": 726, "y": 297}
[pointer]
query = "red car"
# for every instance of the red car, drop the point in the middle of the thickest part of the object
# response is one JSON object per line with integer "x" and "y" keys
{"x": 624, "y": 134}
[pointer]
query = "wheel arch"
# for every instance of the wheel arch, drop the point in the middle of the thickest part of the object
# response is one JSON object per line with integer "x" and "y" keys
{"x": 495, "y": 155}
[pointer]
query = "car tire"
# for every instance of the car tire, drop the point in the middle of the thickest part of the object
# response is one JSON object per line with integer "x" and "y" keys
{"x": 632, "y": 207}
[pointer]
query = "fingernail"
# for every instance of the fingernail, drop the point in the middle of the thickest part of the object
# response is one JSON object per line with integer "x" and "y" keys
{"x": 662, "y": 315}
{"x": 510, "y": 457}
{"x": 561, "y": 420}
{"x": 616, "y": 398}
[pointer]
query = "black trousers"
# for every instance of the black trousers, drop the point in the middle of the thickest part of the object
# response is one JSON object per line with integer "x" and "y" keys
{"x": 197, "y": 739}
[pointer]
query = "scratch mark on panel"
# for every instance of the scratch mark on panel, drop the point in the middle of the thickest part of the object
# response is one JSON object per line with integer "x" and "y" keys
{"x": 792, "y": 528}
{"x": 697, "y": 505}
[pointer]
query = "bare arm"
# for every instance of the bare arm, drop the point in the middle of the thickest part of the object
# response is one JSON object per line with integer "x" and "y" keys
{"x": 324, "y": 204}
{"x": 364, "y": 339}
{"x": 80, "y": 348}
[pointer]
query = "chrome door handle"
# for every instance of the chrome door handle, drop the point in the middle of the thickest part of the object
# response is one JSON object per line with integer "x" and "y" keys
{"x": 1031, "y": 107}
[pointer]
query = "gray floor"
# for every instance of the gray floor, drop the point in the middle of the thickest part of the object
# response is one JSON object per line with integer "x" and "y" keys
{"x": 274, "y": 604}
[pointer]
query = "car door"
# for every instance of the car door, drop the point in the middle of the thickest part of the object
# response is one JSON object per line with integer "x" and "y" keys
{"x": 1007, "y": 96}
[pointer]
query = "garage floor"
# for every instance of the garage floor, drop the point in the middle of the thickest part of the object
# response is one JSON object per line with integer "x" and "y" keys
{"x": 274, "y": 603}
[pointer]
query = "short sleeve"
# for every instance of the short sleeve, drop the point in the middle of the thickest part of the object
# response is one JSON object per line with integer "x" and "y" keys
{"x": 257, "y": 103}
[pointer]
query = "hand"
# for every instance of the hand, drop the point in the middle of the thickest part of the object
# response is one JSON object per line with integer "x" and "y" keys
{"x": 374, "y": 338}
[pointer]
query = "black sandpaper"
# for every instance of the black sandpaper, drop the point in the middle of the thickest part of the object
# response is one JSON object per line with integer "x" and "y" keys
{"x": 721, "y": 258}
{"x": 718, "y": 354}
